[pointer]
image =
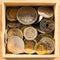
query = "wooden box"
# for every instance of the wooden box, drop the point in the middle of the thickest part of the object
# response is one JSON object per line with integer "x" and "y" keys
{"x": 28, "y": 3}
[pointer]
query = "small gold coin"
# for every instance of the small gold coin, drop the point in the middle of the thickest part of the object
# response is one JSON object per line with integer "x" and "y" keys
{"x": 29, "y": 46}
{"x": 41, "y": 48}
{"x": 50, "y": 44}
{"x": 15, "y": 32}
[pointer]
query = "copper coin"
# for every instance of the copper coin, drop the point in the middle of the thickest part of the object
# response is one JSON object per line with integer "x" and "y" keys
{"x": 11, "y": 13}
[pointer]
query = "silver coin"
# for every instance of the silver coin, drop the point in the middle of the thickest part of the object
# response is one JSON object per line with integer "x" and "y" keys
{"x": 15, "y": 45}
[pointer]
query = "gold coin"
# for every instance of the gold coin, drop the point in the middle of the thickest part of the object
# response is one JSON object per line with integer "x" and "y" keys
{"x": 30, "y": 33}
{"x": 41, "y": 48}
{"x": 11, "y": 13}
{"x": 15, "y": 32}
{"x": 29, "y": 46}
{"x": 15, "y": 45}
{"x": 50, "y": 44}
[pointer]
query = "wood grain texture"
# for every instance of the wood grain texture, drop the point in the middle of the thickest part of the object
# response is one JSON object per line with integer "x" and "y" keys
{"x": 58, "y": 18}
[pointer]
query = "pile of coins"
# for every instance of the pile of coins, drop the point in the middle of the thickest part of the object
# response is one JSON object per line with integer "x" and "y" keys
{"x": 29, "y": 30}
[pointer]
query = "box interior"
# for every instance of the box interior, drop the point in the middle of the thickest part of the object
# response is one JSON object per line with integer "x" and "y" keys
{"x": 7, "y": 5}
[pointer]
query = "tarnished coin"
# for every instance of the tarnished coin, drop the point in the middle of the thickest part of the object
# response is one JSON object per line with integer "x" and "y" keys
{"x": 27, "y": 15}
{"x": 11, "y": 13}
{"x": 29, "y": 46}
{"x": 15, "y": 32}
{"x": 46, "y": 12}
{"x": 41, "y": 48}
{"x": 48, "y": 40}
{"x": 15, "y": 45}
{"x": 47, "y": 25}
{"x": 30, "y": 33}
{"x": 13, "y": 24}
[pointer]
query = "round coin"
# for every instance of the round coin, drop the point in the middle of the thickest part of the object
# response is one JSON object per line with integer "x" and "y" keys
{"x": 15, "y": 45}
{"x": 11, "y": 13}
{"x": 30, "y": 33}
{"x": 27, "y": 15}
{"x": 29, "y": 46}
{"x": 47, "y": 25}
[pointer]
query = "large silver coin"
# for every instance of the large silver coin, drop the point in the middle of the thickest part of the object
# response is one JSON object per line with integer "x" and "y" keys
{"x": 15, "y": 45}
{"x": 27, "y": 15}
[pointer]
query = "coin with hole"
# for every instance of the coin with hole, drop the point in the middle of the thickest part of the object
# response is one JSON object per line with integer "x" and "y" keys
{"x": 47, "y": 25}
